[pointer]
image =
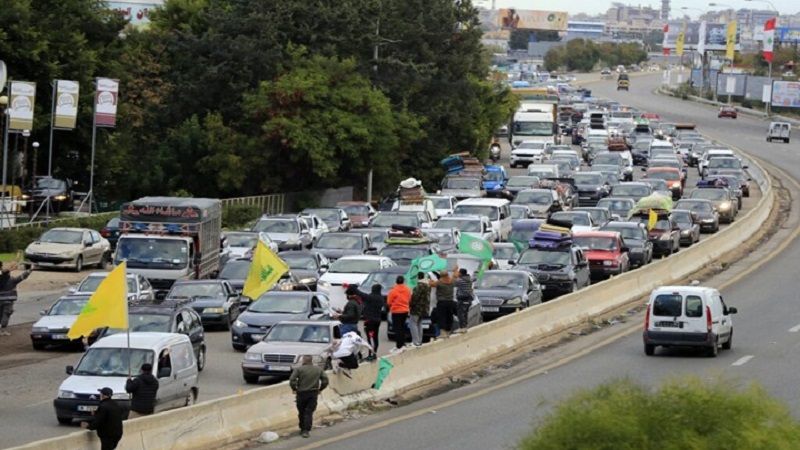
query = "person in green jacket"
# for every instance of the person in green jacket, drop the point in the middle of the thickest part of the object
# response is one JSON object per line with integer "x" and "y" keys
{"x": 307, "y": 381}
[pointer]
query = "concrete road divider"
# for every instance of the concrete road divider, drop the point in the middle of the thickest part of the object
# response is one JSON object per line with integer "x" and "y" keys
{"x": 230, "y": 419}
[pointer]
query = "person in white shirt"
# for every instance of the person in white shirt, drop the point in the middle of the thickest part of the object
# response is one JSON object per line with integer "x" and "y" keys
{"x": 345, "y": 352}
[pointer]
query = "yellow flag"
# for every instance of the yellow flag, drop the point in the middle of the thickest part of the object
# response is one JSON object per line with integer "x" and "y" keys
{"x": 679, "y": 43}
{"x": 730, "y": 40}
{"x": 652, "y": 218}
{"x": 265, "y": 270}
{"x": 107, "y": 307}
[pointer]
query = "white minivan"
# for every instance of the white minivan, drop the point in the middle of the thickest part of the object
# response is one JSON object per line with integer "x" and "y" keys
{"x": 105, "y": 364}
{"x": 498, "y": 210}
{"x": 687, "y": 316}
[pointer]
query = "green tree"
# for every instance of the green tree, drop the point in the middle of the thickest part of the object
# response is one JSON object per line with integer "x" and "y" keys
{"x": 680, "y": 414}
{"x": 554, "y": 59}
{"x": 581, "y": 55}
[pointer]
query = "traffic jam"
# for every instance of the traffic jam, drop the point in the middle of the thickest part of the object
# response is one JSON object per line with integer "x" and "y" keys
{"x": 575, "y": 190}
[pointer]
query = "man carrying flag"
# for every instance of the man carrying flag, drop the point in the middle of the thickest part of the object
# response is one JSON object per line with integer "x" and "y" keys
{"x": 107, "y": 307}
{"x": 265, "y": 270}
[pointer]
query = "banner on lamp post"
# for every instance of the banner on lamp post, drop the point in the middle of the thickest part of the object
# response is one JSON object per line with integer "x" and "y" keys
{"x": 769, "y": 38}
{"x": 66, "y": 112}
{"x": 105, "y": 102}
{"x": 701, "y": 40}
{"x": 20, "y": 105}
{"x": 664, "y": 47}
{"x": 730, "y": 40}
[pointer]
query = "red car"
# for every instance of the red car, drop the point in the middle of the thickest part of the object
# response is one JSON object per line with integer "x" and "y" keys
{"x": 727, "y": 111}
{"x": 605, "y": 251}
{"x": 650, "y": 116}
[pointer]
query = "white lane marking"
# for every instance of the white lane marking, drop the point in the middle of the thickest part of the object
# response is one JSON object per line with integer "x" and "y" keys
{"x": 743, "y": 360}
{"x": 794, "y": 329}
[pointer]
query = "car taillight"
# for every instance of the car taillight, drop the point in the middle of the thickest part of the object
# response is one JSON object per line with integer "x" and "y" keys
{"x": 708, "y": 319}
{"x": 105, "y": 233}
{"x": 647, "y": 319}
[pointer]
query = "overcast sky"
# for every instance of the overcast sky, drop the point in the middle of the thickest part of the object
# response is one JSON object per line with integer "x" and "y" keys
{"x": 599, "y": 6}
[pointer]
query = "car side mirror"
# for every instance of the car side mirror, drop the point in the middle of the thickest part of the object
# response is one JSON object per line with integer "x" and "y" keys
{"x": 625, "y": 249}
{"x": 164, "y": 372}
{"x": 70, "y": 370}
{"x": 43, "y": 312}
{"x": 731, "y": 310}
{"x": 318, "y": 310}
{"x": 745, "y": 167}
{"x": 72, "y": 290}
{"x": 512, "y": 262}
{"x": 643, "y": 169}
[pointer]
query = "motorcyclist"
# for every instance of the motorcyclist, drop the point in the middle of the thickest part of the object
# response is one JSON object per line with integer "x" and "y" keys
{"x": 494, "y": 150}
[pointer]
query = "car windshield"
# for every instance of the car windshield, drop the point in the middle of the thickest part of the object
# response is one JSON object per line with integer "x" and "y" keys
{"x": 235, "y": 270}
{"x": 607, "y": 158}
{"x": 605, "y": 168}
{"x": 113, "y": 223}
{"x": 90, "y": 283}
{"x": 656, "y": 184}
{"x": 245, "y": 240}
{"x": 468, "y": 225}
{"x": 161, "y": 323}
{"x": 385, "y": 279}
{"x": 315, "y": 334}
{"x": 280, "y": 304}
{"x": 356, "y": 210}
{"x": 492, "y": 212}
{"x": 277, "y": 226}
{"x": 189, "y": 290}
{"x": 694, "y": 206}
{"x": 521, "y": 235}
{"x": 534, "y": 197}
{"x": 300, "y": 261}
{"x": 522, "y": 181}
{"x": 533, "y": 128}
{"x": 683, "y": 218}
{"x": 588, "y": 178}
{"x": 441, "y": 202}
{"x": 633, "y": 191}
{"x": 326, "y": 214}
{"x": 339, "y": 241}
{"x": 710, "y": 194}
{"x": 68, "y": 307}
{"x": 595, "y": 243}
{"x": 462, "y": 183}
{"x": 153, "y": 253}
{"x": 726, "y": 163}
{"x": 519, "y": 213}
{"x": 505, "y": 253}
{"x": 62, "y": 237}
{"x": 400, "y": 253}
{"x": 386, "y": 220}
{"x": 113, "y": 362}
{"x": 493, "y": 176}
{"x": 598, "y": 215}
{"x": 497, "y": 280}
{"x": 540, "y": 172}
{"x": 355, "y": 266}
{"x": 616, "y": 205}
{"x": 628, "y": 233}
{"x": 576, "y": 219}
{"x": 376, "y": 236}
{"x": 663, "y": 175}
{"x": 535, "y": 256}
{"x": 50, "y": 183}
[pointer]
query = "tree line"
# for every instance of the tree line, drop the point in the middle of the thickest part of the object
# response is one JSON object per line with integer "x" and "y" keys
{"x": 224, "y": 98}
{"x": 583, "y": 55}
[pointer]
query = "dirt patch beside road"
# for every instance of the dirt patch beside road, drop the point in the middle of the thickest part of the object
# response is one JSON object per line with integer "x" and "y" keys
{"x": 48, "y": 280}
{"x": 16, "y": 350}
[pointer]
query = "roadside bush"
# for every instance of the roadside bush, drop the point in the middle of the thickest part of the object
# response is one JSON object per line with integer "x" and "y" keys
{"x": 681, "y": 414}
{"x": 13, "y": 240}
{"x": 237, "y": 216}
{"x": 684, "y": 91}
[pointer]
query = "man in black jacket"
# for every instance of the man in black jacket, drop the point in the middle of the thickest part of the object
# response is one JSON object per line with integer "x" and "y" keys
{"x": 351, "y": 313}
{"x": 107, "y": 421}
{"x": 143, "y": 389}
{"x": 8, "y": 295}
{"x": 373, "y": 309}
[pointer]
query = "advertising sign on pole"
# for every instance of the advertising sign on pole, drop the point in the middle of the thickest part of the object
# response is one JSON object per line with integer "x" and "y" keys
{"x": 105, "y": 102}
{"x": 786, "y": 94}
{"x": 715, "y": 37}
{"x": 20, "y": 105}
{"x": 66, "y": 111}
{"x": 730, "y": 40}
{"x": 522, "y": 19}
{"x": 766, "y": 94}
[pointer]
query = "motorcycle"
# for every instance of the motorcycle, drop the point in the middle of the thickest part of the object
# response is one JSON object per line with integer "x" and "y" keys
{"x": 494, "y": 152}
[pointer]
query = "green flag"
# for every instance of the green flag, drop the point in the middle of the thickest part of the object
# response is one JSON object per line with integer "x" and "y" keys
{"x": 430, "y": 263}
{"x": 384, "y": 367}
{"x": 475, "y": 247}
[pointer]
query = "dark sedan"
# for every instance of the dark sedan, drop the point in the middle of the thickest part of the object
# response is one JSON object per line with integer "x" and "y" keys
{"x": 306, "y": 266}
{"x": 111, "y": 232}
{"x": 591, "y": 187}
{"x": 274, "y": 307}
{"x": 690, "y": 229}
{"x": 634, "y": 235}
{"x": 336, "y": 245}
{"x": 503, "y": 292}
{"x": 216, "y": 301}
{"x": 665, "y": 235}
{"x": 707, "y": 216}
{"x": 619, "y": 207}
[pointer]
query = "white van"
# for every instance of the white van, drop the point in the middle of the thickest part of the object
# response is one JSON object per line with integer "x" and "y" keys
{"x": 687, "y": 316}
{"x": 105, "y": 364}
{"x": 498, "y": 210}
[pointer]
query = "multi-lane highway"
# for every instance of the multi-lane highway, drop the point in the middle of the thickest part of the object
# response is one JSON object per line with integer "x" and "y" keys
{"x": 497, "y": 411}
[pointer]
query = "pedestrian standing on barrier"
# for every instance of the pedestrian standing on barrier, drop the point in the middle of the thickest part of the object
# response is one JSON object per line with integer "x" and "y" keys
{"x": 419, "y": 308}
{"x": 307, "y": 381}
{"x": 8, "y": 295}
{"x": 372, "y": 312}
{"x": 464, "y": 297}
{"x": 398, "y": 299}
{"x": 351, "y": 313}
{"x": 107, "y": 420}
{"x": 445, "y": 302}
{"x": 143, "y": 389}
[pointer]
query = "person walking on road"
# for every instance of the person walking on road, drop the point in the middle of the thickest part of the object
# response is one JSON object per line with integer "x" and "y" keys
{"x": 143, "y": 389}
{"x": 307, "y": 381}
{"x": 445, "y": 302}
{"x": 464, "y": 296}
{"x": 372, "y": 311}
{"x": 398, "y": 299}
{"x": 8, "y": 295}
{"x": 351, "y": 313}
{"x": 419, "y": 308}
{"x": 107, "y": 421}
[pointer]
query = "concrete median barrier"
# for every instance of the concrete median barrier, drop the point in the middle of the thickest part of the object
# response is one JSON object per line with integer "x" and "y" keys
{"x": 230, "y": 419}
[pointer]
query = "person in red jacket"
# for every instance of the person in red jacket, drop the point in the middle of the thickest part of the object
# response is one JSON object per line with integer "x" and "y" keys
{"x": 398, "y": 300}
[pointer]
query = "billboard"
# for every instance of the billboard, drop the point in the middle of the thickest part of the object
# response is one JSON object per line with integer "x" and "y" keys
{"x": 715, "y": 36}
{"x": 755, "y": 87}
{"x": 66, "y": 104}
{"x": 787, "y": 35}
{"x": 20, "y": 105}
{"x": 137, "y": 12}
{"x": 731, "y": 84}
{"x": 525, "y": 19}
{"x": 786, "y": 94}
{"x": 105, "y": 102}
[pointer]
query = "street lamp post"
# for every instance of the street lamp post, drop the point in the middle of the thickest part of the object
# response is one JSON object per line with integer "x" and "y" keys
{"x": 24, "y": 175}
{"x": 35, "y": 159}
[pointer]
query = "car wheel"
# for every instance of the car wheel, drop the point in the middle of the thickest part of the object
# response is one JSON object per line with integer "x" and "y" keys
{"x": 105, "y": 261}
{"x": 575, "y": 286}
{"x": 239, "y": 348}
{"x": 191, "y": 398}
{"x": 79, "y": 264}
{"x": 226, "y": 326}
{"x": 713, "y": 351}
{"x": 649, "y": 349}
{"x": 201, "y": 359}
{"x": 729, "y": 343}
{"x": 769, "y": 140}
{"x": 38, "y": 346}
{"x": 64, "y": 420}
{"x": 250, "y": 379}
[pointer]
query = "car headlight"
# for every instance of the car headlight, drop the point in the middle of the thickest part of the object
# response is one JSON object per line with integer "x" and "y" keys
{"x": 665, "y": 237}
{"x": 213, "y": 310}
{"x": 608, "y": 263}
{"x": 514, "y": 301}
{"x": 307, "y": 280}
{"x": 239, "y": 324}
{"x": 39, "y": 330}
{"x": 323, "y": 284}
{"x": 66, "y": 394}
{"x": 292, "y": 242}
{"x": 121, "y": 396}
{"x": 25, "y": 196}
{"x": 60, "y": 198}
{"x": 252, "y": 356}
{"x": 724, "y": 206}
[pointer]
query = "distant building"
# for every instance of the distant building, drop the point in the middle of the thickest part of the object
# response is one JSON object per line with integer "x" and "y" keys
{"x": 585, "y": 30}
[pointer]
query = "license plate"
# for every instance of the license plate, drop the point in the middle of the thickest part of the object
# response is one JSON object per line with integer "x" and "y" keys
{"x": 669, "y": 324}
{"x": 490, "y": 308}
{"x": 256, "y": 337}
{"x": 279, "y": 368}
{"x": 60, "y": 336}
{"x": 425, "y": 326}
{"x": 87, "y": 408}
{"x": 543, "y": 286}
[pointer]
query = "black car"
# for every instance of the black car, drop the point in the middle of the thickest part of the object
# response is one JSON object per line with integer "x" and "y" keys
{"x": 559, "y": 271}
{"x": 336, "y": 245}
{"x": 707, "y": 215}
{"x": 541, "y": 201}
{"x": 600, "y": 216}
{"x": 273, "y": 307}
{"x": 503, "y": 292}
{"x": 58, "y": 191}
{"x": 111, "y": 232}
{"x": 306, "y": 266}
{"x": 335, "y": 218}
{"x": 591, "y": 187}
{"x": 634, "y": 235}
{"x": 216, "y": 301}
{"x": 690, "y": 228}
{"x": 519, "y": 182}
{"x": 665, "y": 235}
{"x": 403, "y": 254}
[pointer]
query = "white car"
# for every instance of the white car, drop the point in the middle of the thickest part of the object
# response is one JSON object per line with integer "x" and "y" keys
{"x": 349, "y": 270}
{"x": 240, "y": 244}
{"x": 56, "y": 321}
{"x": 443, "y": 204}
{"x": 688, "y": 316}
{"x": 528, "y": 152}
{"x": 316, "y": 226}
{"x": 581, "y": 220}
{"x": 475, "y": 226}
{"x": 138, "y": 286}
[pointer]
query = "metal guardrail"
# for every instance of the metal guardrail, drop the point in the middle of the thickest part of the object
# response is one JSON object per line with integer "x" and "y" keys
{"x": 267, "y": 204}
